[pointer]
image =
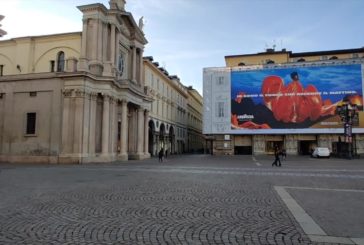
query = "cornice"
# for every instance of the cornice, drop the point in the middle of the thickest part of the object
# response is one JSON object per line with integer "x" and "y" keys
{"x": 93, "y": 7}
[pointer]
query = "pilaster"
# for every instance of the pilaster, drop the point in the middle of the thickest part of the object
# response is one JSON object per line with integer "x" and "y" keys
{"x": 67, "y": 131}
{"x": 258, "y": 144}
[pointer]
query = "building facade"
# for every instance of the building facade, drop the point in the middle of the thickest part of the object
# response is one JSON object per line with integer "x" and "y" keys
{"x": 196, "y": 142}
{"x": 76, "y": 97}
{"x": 168, "y": 114}
{"x": 262, "y": 101}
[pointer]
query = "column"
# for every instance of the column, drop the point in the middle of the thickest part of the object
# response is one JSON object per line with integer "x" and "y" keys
{"x": 105, "y": 42}
{"x": 112, "y": 45}
{"x": 108, "y": 50}
{"x": 115, "y": 129}
{"x": 83, "y": 65}
{"x": 86, "y": 124}
{"x": 100, "y": 37}
{"x": 78, "y": 122}
{"x": 140, "y": 141}
{"x": 146, "y": 133}
{"x": 105, "y": 125}
{"x": 156, "y": 148}
{"x": 84, "y": 38}
{"x": 123, "y": 155}
{"x": 95, "y": 49}
{"x": 92, "y": 133}
{"x": 141, "y": 80}
{"x": 112, "y": 125}
{"x": 133, "y": 74}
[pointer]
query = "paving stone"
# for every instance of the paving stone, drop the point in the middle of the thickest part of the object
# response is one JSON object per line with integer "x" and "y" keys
{"x": 188, "y": 200}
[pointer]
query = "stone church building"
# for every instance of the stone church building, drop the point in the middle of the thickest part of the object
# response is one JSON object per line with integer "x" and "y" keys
{"x": 76, "y": 97}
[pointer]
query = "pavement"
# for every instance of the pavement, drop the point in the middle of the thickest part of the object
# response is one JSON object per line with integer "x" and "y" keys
{"x": 189, "y": 199}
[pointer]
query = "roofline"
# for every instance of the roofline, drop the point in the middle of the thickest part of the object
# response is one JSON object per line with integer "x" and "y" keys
{"x": 300, "y": 54}
{"x": 167, "y": 77}
{"x": 328, "y": 52}
{"x": 262, "y": 53}
{"x": 46, "y": 35}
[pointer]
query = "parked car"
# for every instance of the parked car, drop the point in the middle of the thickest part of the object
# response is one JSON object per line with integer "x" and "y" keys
{"x": 321, "y": 152}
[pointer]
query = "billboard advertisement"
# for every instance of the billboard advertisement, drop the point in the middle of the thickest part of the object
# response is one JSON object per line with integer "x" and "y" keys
{"x": 294, "y": 98}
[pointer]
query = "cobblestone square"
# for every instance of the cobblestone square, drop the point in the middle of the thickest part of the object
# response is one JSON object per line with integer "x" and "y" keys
{"x": 192, "y": 199}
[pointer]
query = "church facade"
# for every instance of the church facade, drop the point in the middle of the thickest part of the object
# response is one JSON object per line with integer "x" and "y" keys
{"x": 76, "y": 97}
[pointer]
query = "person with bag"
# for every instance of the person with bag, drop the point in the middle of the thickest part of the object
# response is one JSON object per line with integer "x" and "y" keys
{"x": 276, "y": 160}
{"x": 160, "y": 155}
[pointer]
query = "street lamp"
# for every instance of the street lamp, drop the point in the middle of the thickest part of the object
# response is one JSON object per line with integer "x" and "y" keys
{"x": 349, "y": 116}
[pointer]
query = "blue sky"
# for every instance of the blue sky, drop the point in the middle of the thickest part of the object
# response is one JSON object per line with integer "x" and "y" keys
{"x": 187, "y": 35}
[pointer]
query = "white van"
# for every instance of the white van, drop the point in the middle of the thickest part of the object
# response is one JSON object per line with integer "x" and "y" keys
{"x": 321, "y": 152}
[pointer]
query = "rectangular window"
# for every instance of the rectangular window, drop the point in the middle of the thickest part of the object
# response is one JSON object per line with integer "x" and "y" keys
{"x": 1, "y": 70}
{"x": 220, "y": 109}
{"x": 52, "y": 65}
{"x": 31, "y": 120}
{"x": 220, "y": 80}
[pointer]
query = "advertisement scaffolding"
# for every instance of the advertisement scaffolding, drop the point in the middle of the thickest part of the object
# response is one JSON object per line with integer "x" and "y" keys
{"x": 296, "y": 99}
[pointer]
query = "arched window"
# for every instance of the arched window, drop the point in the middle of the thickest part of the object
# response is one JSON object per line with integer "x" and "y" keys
{"x": 241, "y": 64}
{"x": 333, "y": 58}
{"x": 301, "y": 60}
{"x": 60, "y": 61}
{"x": 270, "y": 62}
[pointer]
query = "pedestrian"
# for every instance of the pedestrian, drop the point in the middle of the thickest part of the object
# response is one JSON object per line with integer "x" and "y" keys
{"x": 166, "y": 154}
{"x": 160, "y": 155}
{"x": 276, "y": 159}
{"x": 284, "y": 154}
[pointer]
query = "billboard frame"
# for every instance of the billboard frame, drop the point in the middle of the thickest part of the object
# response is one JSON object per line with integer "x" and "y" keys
{"x": 212, "y": 94}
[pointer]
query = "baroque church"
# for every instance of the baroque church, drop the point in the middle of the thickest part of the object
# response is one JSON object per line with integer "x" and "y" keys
{"x": 76, "y": 97}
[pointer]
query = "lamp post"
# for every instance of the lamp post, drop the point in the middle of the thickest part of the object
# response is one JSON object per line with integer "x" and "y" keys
{"x": 349, "y": 116}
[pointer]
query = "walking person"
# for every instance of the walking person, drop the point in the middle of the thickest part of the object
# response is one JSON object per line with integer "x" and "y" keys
{"x": 276, "y": 158}
{"x": 284, "y": 154}
{"x": 160, "y": 155}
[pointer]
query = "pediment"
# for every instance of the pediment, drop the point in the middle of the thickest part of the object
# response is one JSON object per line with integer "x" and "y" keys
{"x": 131, "y": 28}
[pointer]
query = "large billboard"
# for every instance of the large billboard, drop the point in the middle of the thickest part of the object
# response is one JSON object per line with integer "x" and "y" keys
{"x": 299, "y": 99}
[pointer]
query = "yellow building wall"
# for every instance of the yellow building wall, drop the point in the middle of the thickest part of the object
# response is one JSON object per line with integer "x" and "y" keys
{"x": 256, "y": 59}
{"x": 33, "y": 54}
{"x": 320, "y": 57}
